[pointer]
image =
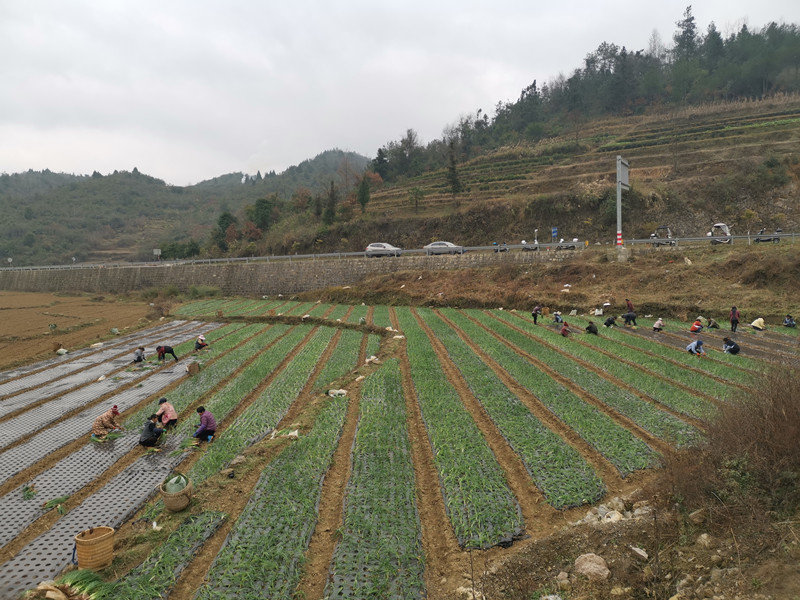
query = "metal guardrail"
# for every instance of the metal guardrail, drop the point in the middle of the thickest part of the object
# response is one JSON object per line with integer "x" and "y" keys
{"x": 549, "y": 246}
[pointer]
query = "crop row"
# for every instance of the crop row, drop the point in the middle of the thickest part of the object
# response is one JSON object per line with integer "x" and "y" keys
{"x": 357, "y": 314}
{"x": 237, "y": 436}
{"x": 338, "y": 313}
{"x": 380, "y": 316}
{"x": 637, "y": 365}
{"x": 625, "y": 451}
{"x": 380, "y": 553}
{"x": 156, "y": 576}
{"x": 564, "y": 477}
{"x": 202, "y": 307}
{"x": 343, "y": 360}
{"x": 645, "y": 414}
{"x": 725, "y": 370}
{"x": 263, "y": 554}
{"x": 481, "y": 507}
{"x": 298, "y": 309}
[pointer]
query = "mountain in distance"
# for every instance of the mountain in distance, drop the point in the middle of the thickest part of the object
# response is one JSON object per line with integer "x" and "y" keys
{"x": 49, "y": 218}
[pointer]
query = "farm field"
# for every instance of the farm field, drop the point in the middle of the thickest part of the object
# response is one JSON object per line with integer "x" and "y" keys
{"x": 471, "y": 434}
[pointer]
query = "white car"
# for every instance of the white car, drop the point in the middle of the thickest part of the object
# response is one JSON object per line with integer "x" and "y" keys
{"x": 382, "y": 249}
{"x": 443, "y": 248}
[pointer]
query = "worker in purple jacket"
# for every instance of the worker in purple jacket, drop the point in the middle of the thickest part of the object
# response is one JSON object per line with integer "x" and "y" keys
{"x": 208, "y": 425}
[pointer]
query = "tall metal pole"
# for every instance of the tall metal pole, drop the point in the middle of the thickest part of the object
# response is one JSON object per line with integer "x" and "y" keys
{"x": 622, "y": 181}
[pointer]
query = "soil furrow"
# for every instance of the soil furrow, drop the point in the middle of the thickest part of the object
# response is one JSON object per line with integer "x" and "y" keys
{"x": 442, "y": 552}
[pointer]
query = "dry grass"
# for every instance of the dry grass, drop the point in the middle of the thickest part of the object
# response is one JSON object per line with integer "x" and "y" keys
{"x": 746, "y": 474}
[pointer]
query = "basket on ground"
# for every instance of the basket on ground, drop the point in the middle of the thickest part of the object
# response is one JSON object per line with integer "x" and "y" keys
{"x": 178, "y": 500}
{"x": 95, "y": 547}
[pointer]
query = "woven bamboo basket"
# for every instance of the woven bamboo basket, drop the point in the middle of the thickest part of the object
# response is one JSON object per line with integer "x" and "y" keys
{"x": 95, "y": 547}
{"x": 179, "y": 500}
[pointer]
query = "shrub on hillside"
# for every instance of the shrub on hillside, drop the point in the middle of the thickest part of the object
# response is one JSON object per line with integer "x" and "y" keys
{"x": 750, "y": 463}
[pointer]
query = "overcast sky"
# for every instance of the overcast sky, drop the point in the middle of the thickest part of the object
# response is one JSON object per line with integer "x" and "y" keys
{"x": 186, "y": 90}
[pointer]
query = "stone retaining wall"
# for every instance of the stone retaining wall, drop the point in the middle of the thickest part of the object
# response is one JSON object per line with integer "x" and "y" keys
{"x": 256, "y": 278}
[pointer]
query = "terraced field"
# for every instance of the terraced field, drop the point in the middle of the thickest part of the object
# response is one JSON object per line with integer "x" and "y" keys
{"x": 470, "y": 431}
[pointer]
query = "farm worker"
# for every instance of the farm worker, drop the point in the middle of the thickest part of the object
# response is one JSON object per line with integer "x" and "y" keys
{"x": 565, "y": 329}
{"x": 658, "y": 325}
{"x": 557, "y": 317}
{"x": 696, "y": 348}
{"x": 106, "y": 423}
{"x": 712, "y": 324}
{"x": 697, "y": 326}
{"x": 591, "y": 328}
{"x": 734, "y": 318}
{"x": 151, "y": 432}
{"x": 536, "y": 313}
{"x": 630, "y": 318}
{"x": 163, "y": 351}
{"x": 789, "y": 321}
{"x": 138, "y": 355}
{"x": 200, "y": 343}
{"x": 610, "y": 322}
{"x": 208, "y": 425}
{"x": 729, "y": 346}
{"x": 758, "y": 324}
{"x": 629, "y": 305}
{"x": 167, "y": 413}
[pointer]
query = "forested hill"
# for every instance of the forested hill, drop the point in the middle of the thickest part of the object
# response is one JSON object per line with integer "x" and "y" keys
{"x": 48, "y": 217}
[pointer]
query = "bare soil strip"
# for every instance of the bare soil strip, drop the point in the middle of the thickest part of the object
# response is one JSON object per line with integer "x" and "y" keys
{"x": 331, "y": 508}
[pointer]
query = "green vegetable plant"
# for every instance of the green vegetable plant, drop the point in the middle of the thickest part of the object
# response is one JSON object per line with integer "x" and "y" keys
{"x": 564, "y": 477}
{"x": 479, "y": 503}
{"x": 264, "y": 553}
{"x": 380, "y": 552}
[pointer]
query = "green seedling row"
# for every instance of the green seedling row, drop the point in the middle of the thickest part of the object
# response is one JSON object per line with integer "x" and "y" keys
{"x": 263, "y": 555}
{"x": 380, "y": 317}
{"x": 380, "y": 553}
{"x": 625, "y": 451}
{"x": 643, "y": 413}
{"x": 264, "y": 307}
{"x": 481, "y": 507}
{"x": 564, "y": 477}
{"x": 635, "y": 368}
{"x": 156, "y": 576}
{"x": 723, "y": 369}
{"x": 358, "y": 313}
{"x": 264, "y": 413}
{"x": 319, "y": 310}
{"x": 338, "y": 313}
{"x": 299, "y": 309}
{"x": 244, "y": 308}
{"x": 192, "y": 309}
{"x": 373, "y": 345}
{"x": 343, "y": 360}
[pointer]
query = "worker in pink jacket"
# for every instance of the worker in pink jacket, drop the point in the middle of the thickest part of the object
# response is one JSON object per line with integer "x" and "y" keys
{"x": 167, "y": 413}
